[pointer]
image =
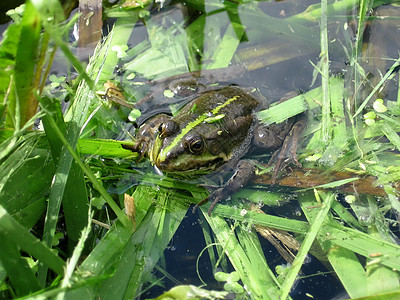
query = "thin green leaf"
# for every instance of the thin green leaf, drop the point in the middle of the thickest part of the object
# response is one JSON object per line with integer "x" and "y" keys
{"x": 261, "y": 283}
{"x": 25, "y": 105}
{"x": 334, "y": 184}
{"x": 289, "y": 108}
{"x": 306, "y": 245}
{"x": 324, "y": 56}
{"x": 18, "y": 271}
{"x": 377, "y": 87}
{"x": 349, "y": 270}
{"x": 108, "y": 148}
{"x": 24, "y": 239}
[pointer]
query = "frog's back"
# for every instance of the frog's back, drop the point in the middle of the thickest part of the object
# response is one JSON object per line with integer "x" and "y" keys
{"x": 228, "y": 116}
{"x": 230, "y": 101}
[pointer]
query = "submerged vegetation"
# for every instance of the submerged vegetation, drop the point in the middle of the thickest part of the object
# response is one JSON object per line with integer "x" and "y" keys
{"x": 80, "y": 217}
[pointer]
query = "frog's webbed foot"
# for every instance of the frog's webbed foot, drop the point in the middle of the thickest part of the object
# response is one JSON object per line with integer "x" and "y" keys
{"x": 287, "y": 152}
{"x": 243, "y": 174}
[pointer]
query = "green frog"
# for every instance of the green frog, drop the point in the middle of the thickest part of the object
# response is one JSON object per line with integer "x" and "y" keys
{"x": 217, "y": 127}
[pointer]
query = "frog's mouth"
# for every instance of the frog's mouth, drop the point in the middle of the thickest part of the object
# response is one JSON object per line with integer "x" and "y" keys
{"x": 187, "y": 165}
{"x": 179, "y": 161}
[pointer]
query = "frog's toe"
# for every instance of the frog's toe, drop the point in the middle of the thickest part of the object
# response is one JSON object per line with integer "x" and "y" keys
{"x": 215, "y": 196}
{"x": 282, "y": 159}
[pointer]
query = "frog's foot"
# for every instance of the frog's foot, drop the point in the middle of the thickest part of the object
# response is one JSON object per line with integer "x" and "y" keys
{"x": 216, "y": 196}
{"x": 243, "y": 174}
{"x": 287, "y": 153}
{"x": 140, "y": 147}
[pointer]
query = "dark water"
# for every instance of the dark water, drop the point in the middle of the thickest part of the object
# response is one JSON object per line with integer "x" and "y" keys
{"x": 188, "y": 242}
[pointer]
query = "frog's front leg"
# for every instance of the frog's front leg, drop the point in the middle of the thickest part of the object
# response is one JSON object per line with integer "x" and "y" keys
{"x": 243, "y": 174}
{"x": 286, "y": 154}
{"x": 146, "y": 135}
{"x": 283, "y": 139}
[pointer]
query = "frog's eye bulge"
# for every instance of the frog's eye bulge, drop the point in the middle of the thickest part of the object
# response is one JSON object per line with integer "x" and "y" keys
{"x": 167, "y": 129}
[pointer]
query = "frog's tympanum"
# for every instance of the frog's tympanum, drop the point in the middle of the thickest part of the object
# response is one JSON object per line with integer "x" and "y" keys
{"x": 218, "y": 126}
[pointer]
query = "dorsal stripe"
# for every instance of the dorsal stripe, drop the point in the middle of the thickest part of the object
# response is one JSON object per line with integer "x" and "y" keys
{"x": 192, "y": 125}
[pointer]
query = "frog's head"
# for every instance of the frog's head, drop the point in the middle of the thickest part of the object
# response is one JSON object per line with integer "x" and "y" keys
{"x": 184, "y": 151}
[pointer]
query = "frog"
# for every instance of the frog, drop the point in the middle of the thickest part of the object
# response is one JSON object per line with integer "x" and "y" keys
{"x": 217, "y": 127}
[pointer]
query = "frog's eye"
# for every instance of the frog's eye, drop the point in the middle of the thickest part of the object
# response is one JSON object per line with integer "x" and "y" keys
{"x": 167, "y": 129}
{"x": 196, "y": 146}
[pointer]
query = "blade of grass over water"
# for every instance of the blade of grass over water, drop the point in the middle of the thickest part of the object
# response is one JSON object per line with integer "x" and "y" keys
{"x": 349, "y": 270}
{"x": 226, "y": 49}
{"x": 338, "y": 128}
{"x": 341, "y": 242}
{"x": 377, "y": 87}
{"x": 324, "y": 60}
{"x": 289, "y": 108}
{"x": 306, "y": 245}
{"x": 261, "y": 219}
{"x": 119, "y": 36}
{"x": 254, "y": 276}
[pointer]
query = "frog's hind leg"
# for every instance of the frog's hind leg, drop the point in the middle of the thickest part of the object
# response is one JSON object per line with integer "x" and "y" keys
{"x": 243, "y": 174}
{"x": 287, "y": 152}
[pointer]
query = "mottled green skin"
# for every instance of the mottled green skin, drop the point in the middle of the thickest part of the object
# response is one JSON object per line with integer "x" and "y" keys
{"x": 226, "y": 133}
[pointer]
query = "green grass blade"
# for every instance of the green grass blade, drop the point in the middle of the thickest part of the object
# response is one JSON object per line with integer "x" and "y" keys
{"x": 349, "y": 270}
{"x": 19, "y": 273}
{"x": 223, "y": 54}
{"x": 381, "y": 279}
{"x": 144, "y": 248}
{"x": 306, "y": 245}
{"x": 392, "y": 135}
{"x": 108, "y": 148}
{"x": 25, "y": 201}
{"x": 377, "y": 87}
{"x": 338, "y": 128}
{"x": 26, "y": 241}
{"x": 8, "y": 50}
{"x": 334, "y": 184}
{"x": 260, "y": 219}
{"x": 119, "y": 37}
{"x": 324, "y": 59}
{"x": 76, "y": 118}
{"x": 25, "y": 105}
{"x": 74, "y": 200}
{"x": 289, "y": 108}
{"x": 73, "y": 261}
{"x": 364, "y": 244}
{"x": 259, "y": 282}
{"x": 98, "y": 185}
